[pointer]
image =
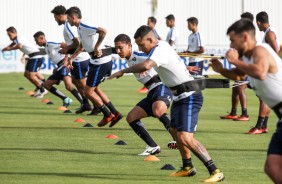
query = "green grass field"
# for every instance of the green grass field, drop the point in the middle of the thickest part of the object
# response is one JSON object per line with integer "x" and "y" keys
{"x": 40, "y": 144}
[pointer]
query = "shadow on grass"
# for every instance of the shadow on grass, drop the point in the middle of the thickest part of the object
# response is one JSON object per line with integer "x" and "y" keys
{"x": 110, "y": 176}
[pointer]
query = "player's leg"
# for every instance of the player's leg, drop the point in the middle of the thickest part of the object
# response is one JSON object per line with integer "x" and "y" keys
{"x": 243, "y": 101}
{"x": 234, "y": 104}
{"x": 69, "y": 86}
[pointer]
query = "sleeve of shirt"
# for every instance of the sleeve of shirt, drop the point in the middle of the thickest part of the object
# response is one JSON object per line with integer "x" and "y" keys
{"x": 174, "y": 35}
{"x": 71, "y": 31}
{"x": 18, "y": 40}
{"x": 200, "y": 40}
{"x": 157, "y": 56}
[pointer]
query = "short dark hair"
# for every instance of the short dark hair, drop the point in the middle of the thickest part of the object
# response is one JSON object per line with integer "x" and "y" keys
{"x": 153, "y": 19}
{"x": 123, "y": 38}
{"x": 247, "y": 15}
{"x": 262, "y": 17}
{"x": 59, "y": 10}
{"x": 38, "y": 33}
{"x": 11, "y": 29}
{"x": 193, "y": 20}
{"x": 241, "y": 26}
{"x": 142, "y": 31}
{"x": 170, "y": 17}
{"x": 74, "y": 11}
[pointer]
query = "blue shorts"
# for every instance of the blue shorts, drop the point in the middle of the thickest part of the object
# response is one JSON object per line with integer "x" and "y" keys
{"x": 185, "y": 112}
{"x": 59, "y": 75}
{"x": 200, "y": 65}
{"x": 275, "y": 145}
{"x": 34, "y": 65}
{"x": 159, "y": 93}
{"x": 97, "y": 73}
{"x": 80, "y": 69}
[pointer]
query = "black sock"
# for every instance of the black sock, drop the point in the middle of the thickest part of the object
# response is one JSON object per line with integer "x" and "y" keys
{"x": 187, "y": 162}
{"x": 264, "y": 124}
{"x": 75, "y": 93}
{"x": 58, "y": 93}
{"x": 105, "y": 110}
{"x": 140, "y": 130}
{"x": 85, "y": 100}
{"x": 233, "y": 111}
{"x": 42, "y": 88}
{"x": 260, "y": 122}
{"x": 112, "y": 108}
{"x": 165, "y": 119}
{"x": 210, "y": 166}
{"x": 245, "y": 112}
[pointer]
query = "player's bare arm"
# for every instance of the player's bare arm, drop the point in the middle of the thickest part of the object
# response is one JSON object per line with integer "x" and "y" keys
{"x": 270, "y": 38}
{"x": 13, "y": 46}
{"x": 102, "y": 33}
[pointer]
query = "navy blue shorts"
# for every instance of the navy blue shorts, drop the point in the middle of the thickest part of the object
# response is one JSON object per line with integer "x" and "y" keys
{"x": 275, "y": 145}
{"x": 199, "y": 64}
{"x": 34, "y": 65}
{"x": 80, "y": 69}
{"x": 185, "y": 112}
{"x": 159, "y": 93}
{"x": 59, "y": 75}
{"x": 97, "y": 73}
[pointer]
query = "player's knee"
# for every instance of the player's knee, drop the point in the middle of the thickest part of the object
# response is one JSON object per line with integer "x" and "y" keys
{"x": 129, "y": 118}
{"x": 69, "y": 88}
{"x": 47, "y": 85}
{"x": 185, "y": 140}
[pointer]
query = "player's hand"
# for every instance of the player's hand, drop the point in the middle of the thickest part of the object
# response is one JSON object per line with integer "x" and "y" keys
{"x": 68, "y": 62}
{"x": 232, "y": 55}
{"x": 216, "y": 65}
{"x": 63, "y": 48}
{"x": 98, "y": 52}
{"x": 4, "y": 49}
{"x": 116, "y": 75}
{"x": 23, "y": 59}
{"x": 193, "y": 69}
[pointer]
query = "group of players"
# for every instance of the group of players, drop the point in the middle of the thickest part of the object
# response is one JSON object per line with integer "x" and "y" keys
{"x": 159, "y": 68}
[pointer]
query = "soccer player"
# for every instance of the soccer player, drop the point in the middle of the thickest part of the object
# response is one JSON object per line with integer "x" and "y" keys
{"x": 172, "y": 35}
{"x": 195, "y": 44}
{"x": 238, "y": 92}
{"x": 264, "y": 69}
{"x": 34, "y": 62}
{"x": 60, "y": 73}
{"x": 80, "y": 63}
{"x": 187, "y": 99}
{"x": 158, "y": 98}
{"x": 270, "y": 37}
{"x": 100, "y": 65}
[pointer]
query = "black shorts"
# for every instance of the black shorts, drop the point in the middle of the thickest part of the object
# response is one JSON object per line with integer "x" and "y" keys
{"x": 275, "y": 145}
{"x": 80, "y": 69}
{"x": 60, "y": 74}
{"x": 185, "y": 112}
{"x": 34, "y": 65}
{"x": 159, "y": 93}
{"x": 97, "y": 73}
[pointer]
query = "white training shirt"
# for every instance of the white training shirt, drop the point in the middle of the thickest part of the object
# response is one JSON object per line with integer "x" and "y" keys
{"x": 173, "y": 35}
{"x": 27, "y": 47}
{"x": 170, "y": 67}
{"x": 139, "y": 57}
{"x": 269, "y": 90}
{"x": 87, "y": 35}
{"x": 69, "y": 34}
{"x": 52, "y": 49}
{"x": 277, "y": 39}
{"x": 195, "y": 41}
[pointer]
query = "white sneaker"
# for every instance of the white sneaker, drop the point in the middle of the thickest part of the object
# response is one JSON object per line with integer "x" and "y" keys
{"x": 172, "y": 145}
{"x": 37, "y": 92}
{"x": 41, "y": 95}
{"x": 67, "y": 102}
{"x": 151, "y": 151}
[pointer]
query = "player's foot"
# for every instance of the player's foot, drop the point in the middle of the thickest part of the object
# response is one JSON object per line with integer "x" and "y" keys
{"x": 242, "y": 118}
{"x": 216, "y": 176}
{"x": 41, "y": 94}
{"x": 94, "y": 112}
{"x": 142, "y": 90}
{"x": 83, "y": 108}
{"x": 228, "y": 116}
{"x": 255, "y": 130}
{"x": 67, "y": 101}
{"x": 264, "y": 130}
{"x": 116, "y": 119}
{"x": 184, "y": 171}
{"x": 106, "y": 120}
{"x": 151, "y": 151}
{"x": 172, "y": 145}
{"x": 36, "y": 92}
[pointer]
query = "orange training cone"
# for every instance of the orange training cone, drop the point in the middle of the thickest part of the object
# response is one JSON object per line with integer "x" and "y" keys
{"x": 45, "y": 100}
{"x": 62, "y": 108}
{"x": 30, "y": 93}
{"x": 79, "y": 120}
{"x": 151, "y": 158}
{"x": 112, "y": 136}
